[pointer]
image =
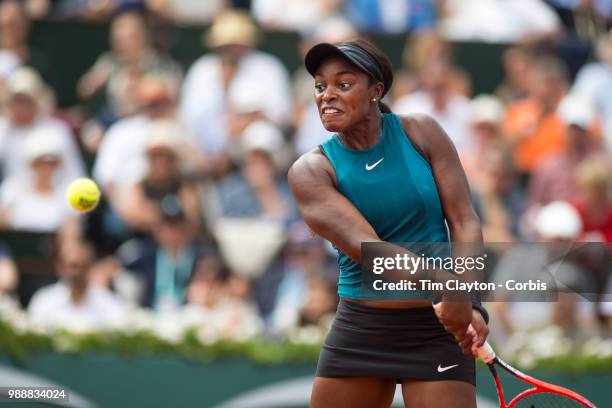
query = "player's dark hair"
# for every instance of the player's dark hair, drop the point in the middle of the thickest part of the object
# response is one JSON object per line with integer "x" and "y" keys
{"x": 384, "y": 64}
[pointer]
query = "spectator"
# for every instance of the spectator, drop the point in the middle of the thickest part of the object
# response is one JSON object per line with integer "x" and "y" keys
{"x": 14, "y": 48}
{"x": 305, "y": 261}
{"x": 605, "y": 307}
{"x": 557, "y": 225}
{"x": 166, "y": 261}
{"x": 608, "y": 138}
{"x": 246, "y": 104}
{"x": 256, "y": 190}
{"x": 122, "y": 160}
{"x": 206, "y": 288}
{"x": 253, "y": 206}
{"x": 553, "y": 179}
{"x": 223, "y": 310}
{"x": 532, "y": 125}
{"x": 593, "y": 198}
{"x": 25, "y": 116}
{"x": 140, "y": 204}
{"x": 72, "y": 302}
{"x": 572, "y": 10}
{"x": 461, "y": 82}
{"x": 309, "y": 130}
{"x": 580, "y": 27}
{"x": 497, "y": 198}
{"x": 125, "y": 142}
{"x": 498, "y": 21}
{"x": 117, "y": 71}
{"x": 595, "y": 79}
{"x": 37, "y": 9}
{"x": 186, "y": 12}
{"x": 292, "y": 15}
{"x": 36, "y": 201}
{"x": 518, "y": 62}
{"x": 8, "y": 63}
{"x": 234, "y": 65}
{"x": 423, "y": 47}
{"x": 320, "y": 303}
{"x": 93, "y": 10}
{"x": 8, "y": 271}
{"x": 391, "y": 17}
{"x": 486, "y": 114}
{"x": 439, "y": 100}
{"x": 420, "y": 49}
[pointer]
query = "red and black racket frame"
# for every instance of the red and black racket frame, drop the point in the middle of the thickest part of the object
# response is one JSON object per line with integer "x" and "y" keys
{"x": 539, "y": 386}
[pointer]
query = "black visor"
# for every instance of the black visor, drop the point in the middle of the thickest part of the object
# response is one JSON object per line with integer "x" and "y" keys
{"x": 353, "y": 53}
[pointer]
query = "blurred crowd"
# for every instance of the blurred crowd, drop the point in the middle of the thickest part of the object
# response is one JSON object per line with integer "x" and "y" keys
{"x": 192, "y": 160}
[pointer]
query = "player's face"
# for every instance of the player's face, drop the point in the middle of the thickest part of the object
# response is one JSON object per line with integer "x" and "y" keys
{"x": 342, "y": 94}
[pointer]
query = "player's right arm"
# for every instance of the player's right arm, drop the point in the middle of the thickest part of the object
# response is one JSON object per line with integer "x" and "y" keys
{"x": 325, "y": 210}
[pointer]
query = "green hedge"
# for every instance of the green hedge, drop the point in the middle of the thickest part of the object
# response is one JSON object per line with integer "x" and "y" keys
{"x": 20, "y": 343}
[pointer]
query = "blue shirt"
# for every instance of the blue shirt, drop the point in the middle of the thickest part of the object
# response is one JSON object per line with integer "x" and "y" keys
{"x": 393, "y": 187}
{"x": 391, "y": 16}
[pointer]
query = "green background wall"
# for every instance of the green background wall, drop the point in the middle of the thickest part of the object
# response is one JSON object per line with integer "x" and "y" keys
{"x": 72, "y": 47}
{"x": 166, "y": 381}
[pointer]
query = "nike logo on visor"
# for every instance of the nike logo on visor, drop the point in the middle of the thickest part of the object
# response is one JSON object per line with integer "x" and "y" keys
{"x": 371, "y": 166}
{"x": 443, "y": 369}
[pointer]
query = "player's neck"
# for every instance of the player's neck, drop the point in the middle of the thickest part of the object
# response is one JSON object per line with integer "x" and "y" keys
{"x": 365, "y": 134}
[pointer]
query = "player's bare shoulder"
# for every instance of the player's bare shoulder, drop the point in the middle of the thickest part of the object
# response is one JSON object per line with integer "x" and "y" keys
{"x": 311, "y": 167}
{"x": 424, "y": 132}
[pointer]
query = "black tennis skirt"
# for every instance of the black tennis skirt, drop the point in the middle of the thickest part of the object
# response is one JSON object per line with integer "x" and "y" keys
{"x": 398, "y": 344}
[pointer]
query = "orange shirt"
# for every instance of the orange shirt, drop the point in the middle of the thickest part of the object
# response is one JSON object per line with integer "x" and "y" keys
{"x": 534, "y": 134}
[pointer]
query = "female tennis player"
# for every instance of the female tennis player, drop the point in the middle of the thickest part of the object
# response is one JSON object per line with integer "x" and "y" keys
{"x": 385, "y": 178}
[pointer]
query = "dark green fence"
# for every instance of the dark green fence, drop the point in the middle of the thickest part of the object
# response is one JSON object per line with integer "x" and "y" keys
{"x": 72, "y": 47}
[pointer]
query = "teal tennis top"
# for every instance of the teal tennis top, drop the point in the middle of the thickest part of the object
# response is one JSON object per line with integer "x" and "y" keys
{"x": 393, "y": 187}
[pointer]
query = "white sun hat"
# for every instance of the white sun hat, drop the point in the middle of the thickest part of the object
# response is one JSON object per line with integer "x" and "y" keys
{"x": 262, "y": 135}
{"x": 558, "y": 219}
{"x": 42, "y": 145}
{"x": 576, "y": 110}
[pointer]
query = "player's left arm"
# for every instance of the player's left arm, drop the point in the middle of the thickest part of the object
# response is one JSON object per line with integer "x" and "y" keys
{"x": 463, "y": 223}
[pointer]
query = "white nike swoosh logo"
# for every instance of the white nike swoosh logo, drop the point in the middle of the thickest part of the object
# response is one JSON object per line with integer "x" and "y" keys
{"x": 443, "y": 369}
{"x": 370, "y": 167}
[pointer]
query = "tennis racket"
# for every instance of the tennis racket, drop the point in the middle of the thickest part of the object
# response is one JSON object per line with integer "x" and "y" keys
{"x": 540, "y": 395}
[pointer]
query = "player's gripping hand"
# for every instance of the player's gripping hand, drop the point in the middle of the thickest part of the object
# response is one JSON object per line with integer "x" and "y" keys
{"x": 456, "y": 316}
{"x": 479, "y": 333}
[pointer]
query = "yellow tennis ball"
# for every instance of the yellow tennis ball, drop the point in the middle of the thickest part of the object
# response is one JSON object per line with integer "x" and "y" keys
{"x": 83, "y": 194}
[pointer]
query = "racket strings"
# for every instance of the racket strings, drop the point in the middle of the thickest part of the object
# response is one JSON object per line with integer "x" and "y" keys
{"x": 547, "y": 400}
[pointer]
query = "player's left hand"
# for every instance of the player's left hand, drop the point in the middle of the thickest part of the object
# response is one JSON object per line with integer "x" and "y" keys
{"x": 479, "y": 333}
